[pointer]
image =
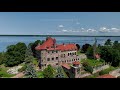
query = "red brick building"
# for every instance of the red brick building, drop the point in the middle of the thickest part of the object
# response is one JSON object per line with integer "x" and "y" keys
{"x": 52, "y": 53}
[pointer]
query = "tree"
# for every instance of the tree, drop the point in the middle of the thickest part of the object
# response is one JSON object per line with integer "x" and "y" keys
{"x": 85, "y": 47}
{"x": 15, "y": 54}
{"x": 60, "y": 73}
{"x": 48, "y": 72}
{"x": 78, "y": 46}
{"x": 34, "y": 45}
{"x": 89, "y": 52}
{"x": 30, "y": 71}
{"x": 116, "y": 45}
{"x": 108, "y": 42}
{"x": 2, "y": 58}
{"x": 111, "y": 55}
{"x": 88, "y": 68}
{"x": 29, "y": 54}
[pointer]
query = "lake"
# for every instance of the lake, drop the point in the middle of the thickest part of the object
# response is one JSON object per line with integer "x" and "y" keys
{"x": 9, "y": 40}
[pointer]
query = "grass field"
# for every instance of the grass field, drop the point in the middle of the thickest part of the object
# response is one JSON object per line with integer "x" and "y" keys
{"x": 3, "y": 72}
{"x": 92, "y": 62}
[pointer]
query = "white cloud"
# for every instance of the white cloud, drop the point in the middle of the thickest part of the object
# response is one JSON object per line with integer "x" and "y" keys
{"x": 64, "y": 30}
{"x": 91, "y": 30}
{"x": 114, "y": 30}
{"x": 60, "y": 26}
{"x": 104, "y": 29}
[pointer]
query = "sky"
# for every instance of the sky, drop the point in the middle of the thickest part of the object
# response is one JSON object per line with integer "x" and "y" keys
{"x": 60, "y": 23}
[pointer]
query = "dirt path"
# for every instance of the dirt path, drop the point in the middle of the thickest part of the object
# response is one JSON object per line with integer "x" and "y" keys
{"x": 19, "y": 75}
{"x": 115, "y": 73}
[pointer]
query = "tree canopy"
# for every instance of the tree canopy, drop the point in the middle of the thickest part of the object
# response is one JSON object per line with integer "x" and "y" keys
{"x": 15, "y": 54}
{"x": 48, "y": 72}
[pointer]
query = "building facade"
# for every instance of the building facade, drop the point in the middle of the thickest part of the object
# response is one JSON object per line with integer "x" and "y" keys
{"x": 55, "y": 54}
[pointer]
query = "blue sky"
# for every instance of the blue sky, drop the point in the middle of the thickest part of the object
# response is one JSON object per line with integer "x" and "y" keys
{"x": 70, "y": 23}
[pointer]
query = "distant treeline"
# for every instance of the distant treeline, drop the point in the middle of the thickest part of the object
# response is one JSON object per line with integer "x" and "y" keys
{"x": 61, "y": 35}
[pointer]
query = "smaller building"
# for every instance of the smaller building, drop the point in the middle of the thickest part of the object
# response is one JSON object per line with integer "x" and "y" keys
{"x": 97, "y": 56}
{"x": 106, "y": 76}
{"x": 73, "y": 70}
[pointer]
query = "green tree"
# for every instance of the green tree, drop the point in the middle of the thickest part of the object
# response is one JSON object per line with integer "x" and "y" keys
{"x": 34, "y": 45}
{"x": 30, "y": 71}
{"x": 2, "y": 58}
{"x": 60, "y": 73}
{"x": 111, "y": 55}
{"x": 29, "y": 55}
{"x": 85, "y": 47}
{"x": 108, "y": 42}
{"x": 15, "y": 54}
{"x": 48, "y": 72}
{"x": 89, "y": 52}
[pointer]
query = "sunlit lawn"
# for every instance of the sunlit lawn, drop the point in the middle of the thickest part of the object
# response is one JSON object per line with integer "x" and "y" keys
{"x": 3, "y": 72}
{"x": 92, "y": 62}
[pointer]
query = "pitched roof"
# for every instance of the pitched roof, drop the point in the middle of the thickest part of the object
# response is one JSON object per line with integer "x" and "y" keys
{"x": 106, "y": 76}
{"x": 76, "y": 62}
{"x": 66, "y": 47}
{"x": 49, "y": 43}
{"x": 65, "y": 65}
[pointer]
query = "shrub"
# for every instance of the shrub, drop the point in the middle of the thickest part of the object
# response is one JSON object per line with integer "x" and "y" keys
{"x": 22, "y": 69}
{"x": 103, "y": 72}
{"x": 102, "y": 60}
{"x": 85, "y": 64}
{"x": 89, "y": 69}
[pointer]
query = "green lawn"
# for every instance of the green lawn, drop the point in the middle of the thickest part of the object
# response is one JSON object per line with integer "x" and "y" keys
{"x": 92, "y": 62}
{"x": 3, "y": 72}
{"x": 40, "y": 74}
{"x": 106, "y": 71}
{"x": 78, "y": 52}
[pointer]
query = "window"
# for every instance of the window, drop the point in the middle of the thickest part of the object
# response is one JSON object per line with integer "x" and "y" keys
{"x": 64, "y": 55}
{"x": 52, "y": 51}
{"x": 75, "y": 53}
{"x": 56, "y": 63}
{"x": 48, "y": 52}
{"x": 78, "y": 58}
{"x": 48, "y": 59}
{"x": 68, "y": 54}
{"x": 74, "y": 59}
{"x": 56, "y": 51}
{"x": 52, "y": 58}
{"x": 56, "y": 58}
